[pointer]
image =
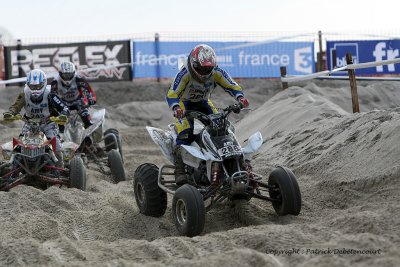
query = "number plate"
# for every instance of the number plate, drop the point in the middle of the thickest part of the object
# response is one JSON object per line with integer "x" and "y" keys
{"x": 229, "y": 150}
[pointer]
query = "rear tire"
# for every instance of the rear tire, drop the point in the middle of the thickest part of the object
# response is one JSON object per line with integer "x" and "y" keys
{"x": 77, "y": 173}
{"x": 109, "y": 141}
{"x": 116, "y": 166}
{"x": 150, "y": 198}
{"x": 188, "y": 211}
{"x": 286, "y": 190}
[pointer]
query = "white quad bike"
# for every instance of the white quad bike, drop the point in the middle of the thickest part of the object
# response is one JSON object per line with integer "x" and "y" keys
{"x": 90, "y": 143}
{"x": 217, "y": 168}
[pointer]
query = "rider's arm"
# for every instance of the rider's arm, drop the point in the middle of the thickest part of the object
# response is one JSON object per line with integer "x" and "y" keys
{"x": 178, "y": 87}
{"x": 86, "y": 90}
{"x": 223, "y": 79}
{"x": 58, "y": 104}
{"x": 18, "y": 104}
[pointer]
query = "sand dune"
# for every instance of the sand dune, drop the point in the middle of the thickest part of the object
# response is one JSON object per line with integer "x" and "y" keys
{"x": 348, "y": 169}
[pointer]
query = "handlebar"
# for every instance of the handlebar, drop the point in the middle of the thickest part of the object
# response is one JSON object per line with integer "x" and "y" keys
{"x": 235, "y": 108}
{"x": 218, "y": 121}
{"x": 60, "y": 120}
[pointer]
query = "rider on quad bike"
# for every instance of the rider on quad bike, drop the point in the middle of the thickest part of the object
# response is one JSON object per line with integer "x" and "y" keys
{"x": 40, "y": 103}
{"x": 190, "y": 90}
{"x": 75, "y": 91}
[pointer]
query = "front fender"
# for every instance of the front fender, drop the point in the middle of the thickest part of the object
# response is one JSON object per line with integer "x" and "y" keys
{"x": 253, "y": 144}
{"x": 6, "y": 150}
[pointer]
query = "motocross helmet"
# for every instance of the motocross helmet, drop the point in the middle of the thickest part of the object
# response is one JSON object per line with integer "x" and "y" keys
{"x": 36, "y": 82}
{"x": 202, "y": 61}
{"x": 67, "y": 72}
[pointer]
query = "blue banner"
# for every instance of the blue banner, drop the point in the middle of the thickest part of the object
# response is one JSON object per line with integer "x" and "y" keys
{"x": 365, "y": 51}
{"x": 239, "y": 59}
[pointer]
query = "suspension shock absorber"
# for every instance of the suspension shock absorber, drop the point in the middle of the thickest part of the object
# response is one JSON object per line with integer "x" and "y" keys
{"x": 247, "y": 167}
{"x": 215, "y": 171}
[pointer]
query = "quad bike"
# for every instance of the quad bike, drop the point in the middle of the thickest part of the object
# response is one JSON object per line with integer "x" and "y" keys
{"x": 90, "y": 141}
{"x": 31, "y": 160}
{"x": 217, "y": 168}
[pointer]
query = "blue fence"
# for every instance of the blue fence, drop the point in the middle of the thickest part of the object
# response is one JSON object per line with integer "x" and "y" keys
{"x": 365, "y": 51}
{"x": 240, "y": 59}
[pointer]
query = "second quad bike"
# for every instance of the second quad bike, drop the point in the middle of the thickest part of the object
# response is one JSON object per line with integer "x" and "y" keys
{"x": 217, "y": 168}
{"x": 91, "y": 145}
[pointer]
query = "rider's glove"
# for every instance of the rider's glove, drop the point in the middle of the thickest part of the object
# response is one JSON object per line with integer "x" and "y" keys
{"x": 178, "y": 112}
{"x": 244, "y": 102}
{"x": 62, "y": 118}
{"x": 8, "y": 115}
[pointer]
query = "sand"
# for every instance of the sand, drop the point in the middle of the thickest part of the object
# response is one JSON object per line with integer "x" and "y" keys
{"x": 348, "y": 169}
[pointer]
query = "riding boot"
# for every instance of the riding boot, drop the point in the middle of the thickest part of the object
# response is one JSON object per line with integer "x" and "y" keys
{"x": 86, "y": 118}
{"x": 60, "y": 159}
{"x": 59, "y": 164}
{"x": 180, "y": 173}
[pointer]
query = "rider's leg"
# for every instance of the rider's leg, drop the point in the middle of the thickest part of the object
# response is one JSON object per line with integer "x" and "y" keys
{"x": 85, "y": 116}
{"x": 51, "y": 130}
{"x": 184, "y": 129}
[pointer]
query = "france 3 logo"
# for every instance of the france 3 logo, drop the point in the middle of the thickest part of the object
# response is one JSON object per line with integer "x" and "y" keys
{"x": 341, "y": 50}
{"x": 303, "y": 60}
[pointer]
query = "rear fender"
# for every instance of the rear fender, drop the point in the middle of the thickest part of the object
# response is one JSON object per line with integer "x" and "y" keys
{"x": 164, "y": 140}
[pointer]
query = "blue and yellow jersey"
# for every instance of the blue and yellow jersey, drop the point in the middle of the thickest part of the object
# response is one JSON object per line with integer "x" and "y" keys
{"x": 186, "y": 88}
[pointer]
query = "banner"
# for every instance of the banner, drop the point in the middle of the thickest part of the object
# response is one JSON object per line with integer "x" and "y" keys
{"x": 365, "y": 51}
{"x": 20, "y": 60}
{"x": 239, "y": 59}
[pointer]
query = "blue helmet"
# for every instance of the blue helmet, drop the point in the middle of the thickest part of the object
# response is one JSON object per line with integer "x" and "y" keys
{"x": 36, "y": 82}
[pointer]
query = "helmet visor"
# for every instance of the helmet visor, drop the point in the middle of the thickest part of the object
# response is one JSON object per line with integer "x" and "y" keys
{"x": 35, "y": 87}
{"x": 67, "y": 76}
{"x": 203, "y": 70}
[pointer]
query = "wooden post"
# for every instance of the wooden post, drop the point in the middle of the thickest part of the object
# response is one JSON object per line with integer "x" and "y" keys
{"x": 334, "y": 62}
{"x": 20, "y": 73}
{"x": 283, "y": 74}
{"x": 320, "y": 53}
{"x": 157, "y": 52}
{"x": 353, "y": 85}
{"x": 2, "y": 70}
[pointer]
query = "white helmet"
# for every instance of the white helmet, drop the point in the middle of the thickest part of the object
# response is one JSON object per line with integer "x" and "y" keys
{"x": 202, "y": 61}
{"x": 36, "y": 82}
{"x": 67, "y": 72}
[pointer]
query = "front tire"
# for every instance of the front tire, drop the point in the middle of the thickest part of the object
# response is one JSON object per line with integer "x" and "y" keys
{"x": 188, "y": 211}
{"x": 77, "y": 173}
{"x": 116, "y": 166}
{"x": 284, "y": 187}
{"x": 150, "y": 198}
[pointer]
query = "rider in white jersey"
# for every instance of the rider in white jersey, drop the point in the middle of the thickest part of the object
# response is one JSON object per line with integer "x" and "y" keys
{"x": 39, "y": 102}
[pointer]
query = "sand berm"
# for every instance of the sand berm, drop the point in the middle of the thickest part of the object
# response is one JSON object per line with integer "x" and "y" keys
{"x": 348, "y": 169}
